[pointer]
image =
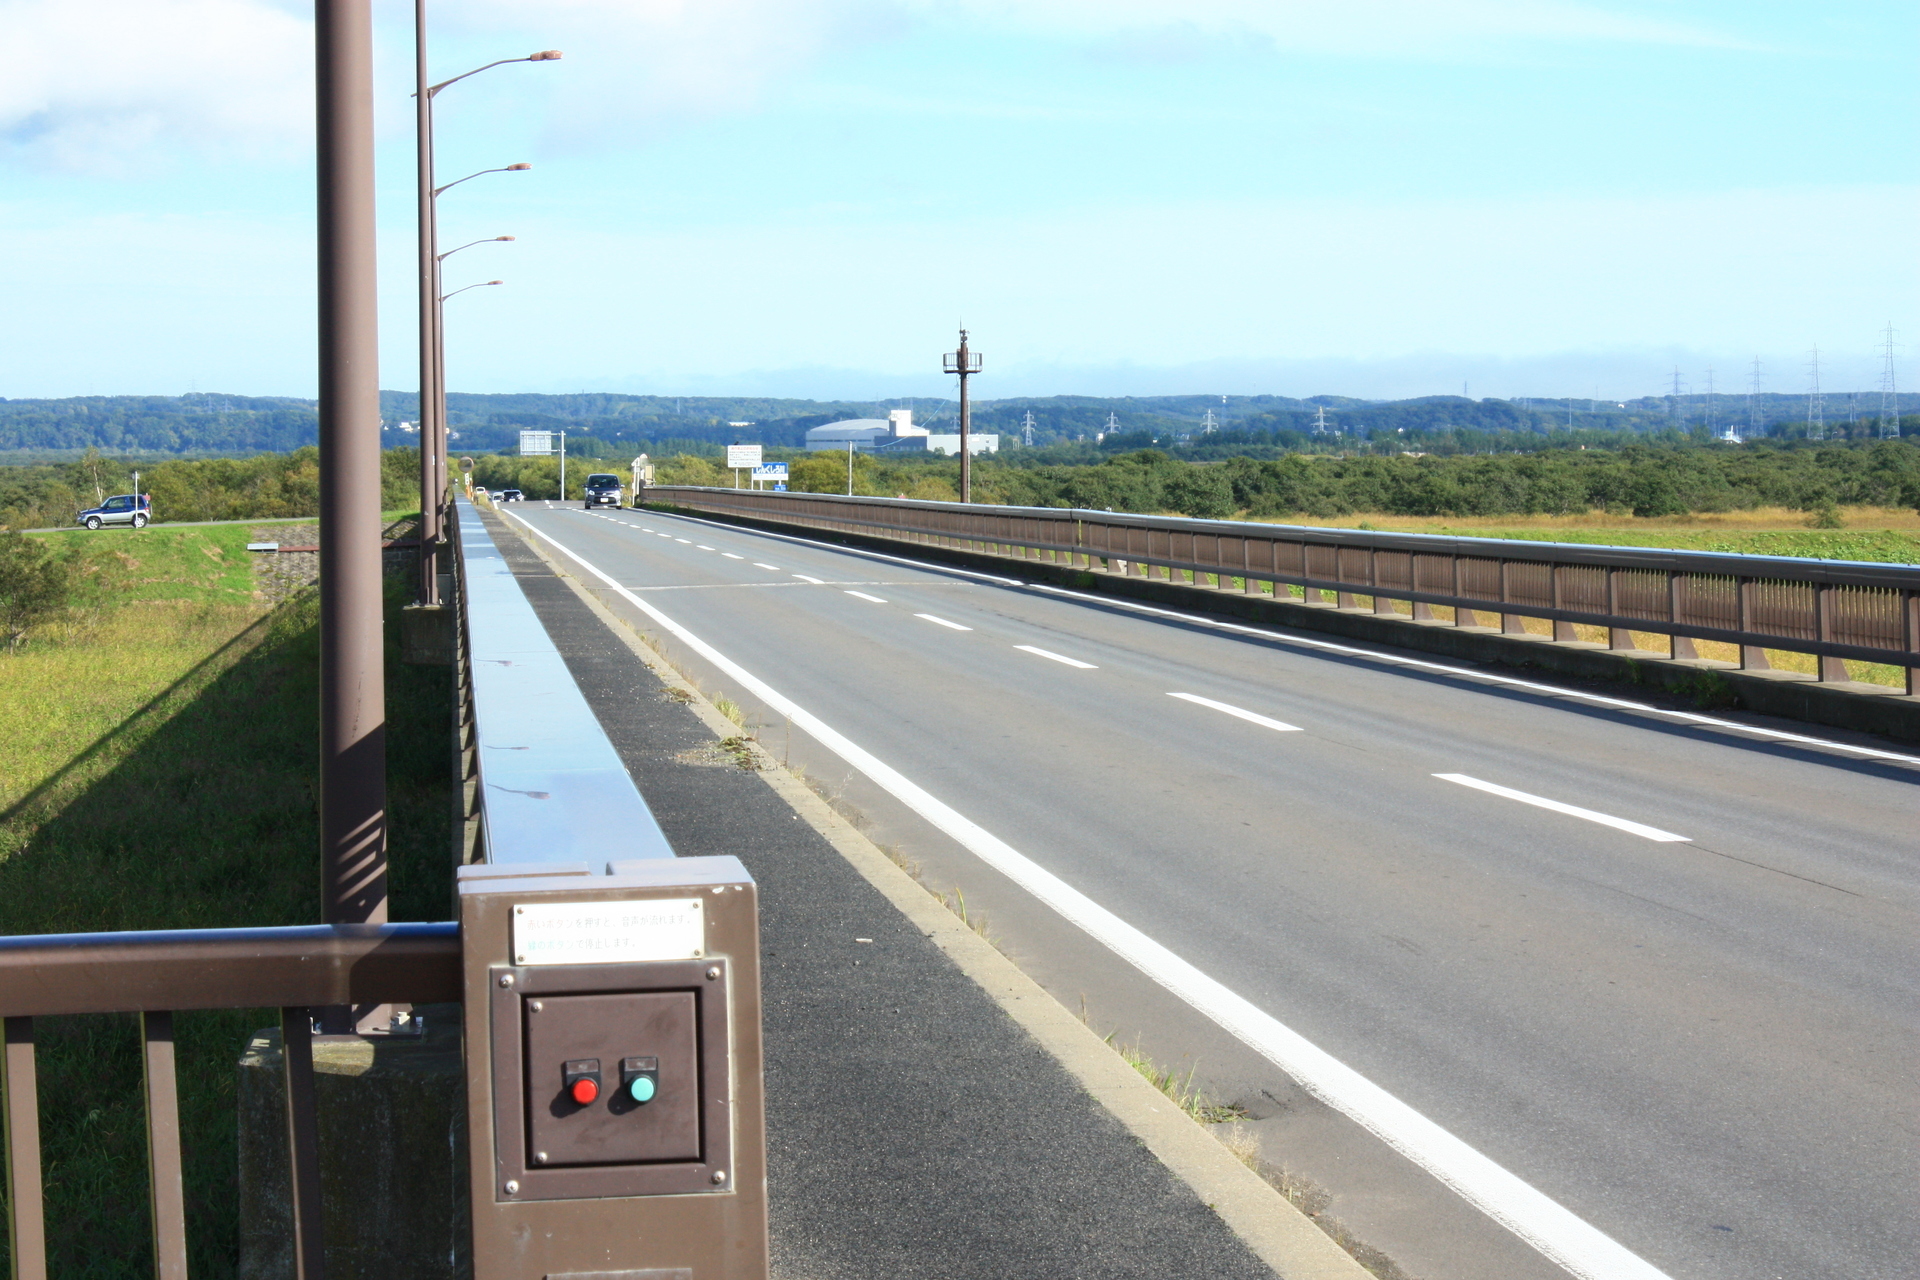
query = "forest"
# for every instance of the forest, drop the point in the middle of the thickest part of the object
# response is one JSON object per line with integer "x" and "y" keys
{"x": 1198, "y": 427}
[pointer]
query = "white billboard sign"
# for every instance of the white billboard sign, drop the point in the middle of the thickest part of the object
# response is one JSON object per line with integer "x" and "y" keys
{"x": 770, "y": 471}
{"x": 534, "y": 444}
{"x": 743, "y": 455}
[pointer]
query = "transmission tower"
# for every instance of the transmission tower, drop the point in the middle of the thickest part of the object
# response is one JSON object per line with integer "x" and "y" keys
{"x": 1674, "y": 408}
{"x": 1113, "y": 422}
{"x": 1029, "y": 427}
{"x": 1753, "y": 399}
{"x": 1320, "y": 420}
{"x": 1816, "y": 406}
{"x": 1709, "y": 399}
{"x": 1209, "y": 423}
{"x": 1889, "y": 394}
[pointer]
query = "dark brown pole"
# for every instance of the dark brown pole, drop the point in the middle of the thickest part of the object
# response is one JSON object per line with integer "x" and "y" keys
{"x": 353, "y": 771}
{"x": 966, "y": 427}
{"x": 432, "y": 477}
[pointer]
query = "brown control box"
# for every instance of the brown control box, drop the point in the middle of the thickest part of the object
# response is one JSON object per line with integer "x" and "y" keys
{"x": 614, "y": 1071}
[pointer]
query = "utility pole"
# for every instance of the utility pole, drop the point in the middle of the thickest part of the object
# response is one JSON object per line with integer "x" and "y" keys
{"x": 965, "y": 363}
{"x": 1816, "y": 404}
{"x": 1889, "y": 394}
{"x": 353, "y": 755}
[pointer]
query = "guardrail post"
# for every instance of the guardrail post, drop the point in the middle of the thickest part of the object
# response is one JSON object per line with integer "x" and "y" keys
{"x": 166, "y": 1194}
{"x": 26, "y": 1214}
{"x": 1910, "y": 632}
{"x": 1834, "y": 669}
{"x": 1678, "y": 646}
{"x": 303, "y": 1143}
{"x": 1752, "y": 657}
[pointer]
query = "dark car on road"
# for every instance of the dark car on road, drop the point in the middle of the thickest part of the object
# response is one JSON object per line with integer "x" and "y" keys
{"x": 509, "y": 495}
{"x": 602, "y": 490}
{"x": 134, "y": 510}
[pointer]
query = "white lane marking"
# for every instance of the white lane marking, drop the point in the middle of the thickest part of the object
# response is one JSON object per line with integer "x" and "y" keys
{"x": 1554, "y": 1230}
{"x": 942, "y": 622}
{"x": 818, "y": 582}
{"x": 1265, "y": 633}
{"x": 1057, "y": 657}
{"x": 729, "y": 555}
{"x": 642, "y": 528}
{"x": 772, "y": 567}
{"x": 1571, "y": 810}
{"x": 664, "y": 535}
{"x": 1244, "y": 714}
{"x": 703, "y": 548}
{"x": 685, "y": 542}
{"x": 864, "y": 596}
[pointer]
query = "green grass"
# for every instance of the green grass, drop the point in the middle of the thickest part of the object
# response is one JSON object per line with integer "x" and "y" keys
{"x": 162, "y": 776}
{"x": 1887, "y": 546}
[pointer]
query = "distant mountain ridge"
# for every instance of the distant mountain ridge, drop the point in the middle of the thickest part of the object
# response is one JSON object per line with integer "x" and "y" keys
{"x": 207, "y": 423}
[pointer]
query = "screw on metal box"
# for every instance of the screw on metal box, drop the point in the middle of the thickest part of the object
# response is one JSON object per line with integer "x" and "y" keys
{"x": 719, "y": 1176}
{"x": 506, "y": 979}
{"x": 512, "y": 1188}
{"x": 539, "y": 1157}
{"x": 713, "y": 973}
{"x": 534, "y": 1006}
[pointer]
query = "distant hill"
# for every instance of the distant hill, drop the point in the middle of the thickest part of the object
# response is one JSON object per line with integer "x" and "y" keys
{"x": 612, "y": 425}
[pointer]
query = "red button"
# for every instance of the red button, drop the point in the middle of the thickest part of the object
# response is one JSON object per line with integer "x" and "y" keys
{"x": 585, "y": 1091}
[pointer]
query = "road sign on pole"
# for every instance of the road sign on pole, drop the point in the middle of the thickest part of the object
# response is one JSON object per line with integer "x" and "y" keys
{"x": 536, "y": 444}
{"x": 741, "y": 456}
{"x": 770, "y": 472}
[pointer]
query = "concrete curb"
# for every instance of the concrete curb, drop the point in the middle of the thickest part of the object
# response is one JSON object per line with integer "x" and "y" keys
{"x": 1277, "y": 1232}
{"x": 1789, "y": 695}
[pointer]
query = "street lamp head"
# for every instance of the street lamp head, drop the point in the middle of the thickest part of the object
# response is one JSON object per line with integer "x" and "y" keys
{"x": 496, "y": 282}
{"x": 503, "y": 237}
{"x": 545, "y": 55}
{"x": 516, "y": 168}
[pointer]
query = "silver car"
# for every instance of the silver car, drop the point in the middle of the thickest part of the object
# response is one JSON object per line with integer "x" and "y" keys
{"x": 135, "y": 510}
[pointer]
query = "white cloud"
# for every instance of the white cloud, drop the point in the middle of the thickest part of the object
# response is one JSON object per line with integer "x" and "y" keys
{"x": 118, "y": 85}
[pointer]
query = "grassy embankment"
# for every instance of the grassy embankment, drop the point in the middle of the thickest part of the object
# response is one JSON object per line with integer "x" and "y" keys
{"x": 1876, "y": 534}
{"x": 158, "y": 771}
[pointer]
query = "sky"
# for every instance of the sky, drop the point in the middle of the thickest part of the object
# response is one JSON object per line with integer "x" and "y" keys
{"x": 1378, "y": 198}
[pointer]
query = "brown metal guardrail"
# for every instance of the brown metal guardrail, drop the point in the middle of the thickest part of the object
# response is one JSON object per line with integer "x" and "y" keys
{"x": 298, "y": 970}
{"x": 1834, "y": 610}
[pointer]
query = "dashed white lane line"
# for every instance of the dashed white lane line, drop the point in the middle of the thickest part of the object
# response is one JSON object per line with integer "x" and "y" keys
{"x": 1563, "y": 1236}
{"x": 729, "y": 555}
{"x": 703, "y": 548}
{"x": 1057, "y": 657}
{"x": 864, "y": 596}
{"x": 770, "y": 567}
{"x": 942, "y": 622}
{"x": 685, "y": 542}
{"x": 1241, "y": 712}
{"x": 818, "y": 582}
{"x": 1571, "y": 810}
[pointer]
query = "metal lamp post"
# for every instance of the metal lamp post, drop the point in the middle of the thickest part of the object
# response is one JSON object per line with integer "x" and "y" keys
{"x": 965, "y": 363}
{"x": 433, "y": 436}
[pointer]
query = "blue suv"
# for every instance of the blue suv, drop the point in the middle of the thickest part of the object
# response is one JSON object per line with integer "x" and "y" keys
{"x": 133, "y": 509}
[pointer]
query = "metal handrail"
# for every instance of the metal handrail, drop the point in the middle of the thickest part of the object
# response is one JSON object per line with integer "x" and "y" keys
{"x": 298, "y": 970}
{"x": 1835, "y": 610}
{"x": 548, "y": 785}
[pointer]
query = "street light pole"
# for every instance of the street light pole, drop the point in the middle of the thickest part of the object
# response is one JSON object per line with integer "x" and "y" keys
{"x": 965, "y": 363}
{"x": 433, "y": 400}
{"x": 353, "y": 771}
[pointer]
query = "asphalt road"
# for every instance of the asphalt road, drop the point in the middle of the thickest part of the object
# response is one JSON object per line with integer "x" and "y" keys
{"x": 1685, "y": 1011}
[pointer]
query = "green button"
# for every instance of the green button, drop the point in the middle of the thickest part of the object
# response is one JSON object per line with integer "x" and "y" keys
{"x": 641, "y": 1089}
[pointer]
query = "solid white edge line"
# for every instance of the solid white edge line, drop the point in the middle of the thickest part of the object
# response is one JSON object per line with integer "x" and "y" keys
{"x": 943, "y": 622}
{"x": 1057, "y": 657}
{"x": 864, "y": 596}
{"x": 1571, "y": 810}
{"x": 1563, "y": 1236}
{"x": 1266, "y": 633}
{"x": 1241, "y": 712}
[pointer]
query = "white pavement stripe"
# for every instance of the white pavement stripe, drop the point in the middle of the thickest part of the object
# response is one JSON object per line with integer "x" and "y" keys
{"x": 864, "y": 596}
{"x": 729, "y": 555}
{"x": 703, "y": 548}
{"x": 1556, "y": 1232}
{"x": 1057, "y": 657}
{"x": 818, "y": 582}
{"x": 1269, "y": 633}
{"x": 1571, "y": 810}
{"x": 685, "y": 542}
{"x": 942, "y": 622}
{"x": 772, "y": 567}
{"x": 1244, "y": 714}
